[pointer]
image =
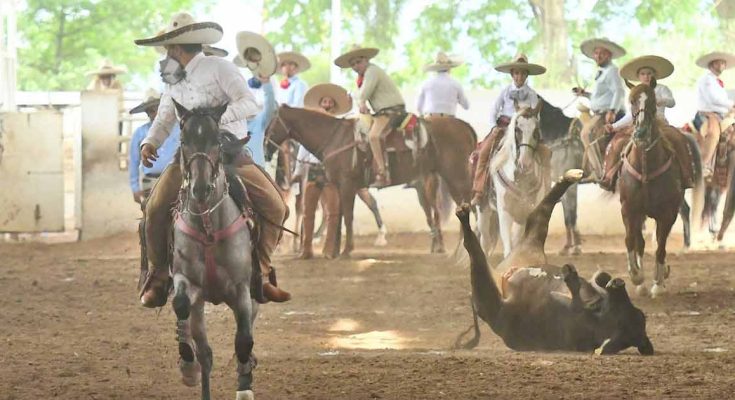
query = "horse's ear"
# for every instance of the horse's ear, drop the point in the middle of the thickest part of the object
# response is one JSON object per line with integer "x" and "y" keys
{"x": 539, "y": 107}
{"x": 183, "y": 112}
{"x": 628, "y": 84}
{"x": 218, "y": 112}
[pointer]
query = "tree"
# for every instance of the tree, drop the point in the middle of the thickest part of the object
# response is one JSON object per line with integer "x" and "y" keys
{"x": 61, "y": 40}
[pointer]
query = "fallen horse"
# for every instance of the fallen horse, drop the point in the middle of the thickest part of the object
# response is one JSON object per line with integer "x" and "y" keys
{"x": 545, "y": 307}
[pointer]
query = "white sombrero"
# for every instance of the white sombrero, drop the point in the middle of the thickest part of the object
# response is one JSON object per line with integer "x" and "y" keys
{"x": 184, "y": 30}
{"x": 443, "y": 62}
{"x": 343, "y": 61}
{"x": 588, "y": 47}
{"x": 214, "y": 51}
{"x": 661, "y": 66}
{"x": 255, "y": 53}
{"x": 342, "y": 99}
{"x": 521, "y": 62}
{"x": 706, "y": 59}
{"x": 107, "y": 68}
{"x": 152, "y": 99}
{"x": 295, "y": 57}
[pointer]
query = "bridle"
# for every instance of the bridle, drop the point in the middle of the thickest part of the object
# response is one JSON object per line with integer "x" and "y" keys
{"x": 217, "y": 168}
{"x": 520, "y": 143}
{"x": 290, "y": 135}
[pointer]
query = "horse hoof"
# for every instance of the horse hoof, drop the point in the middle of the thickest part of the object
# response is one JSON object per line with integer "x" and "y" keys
{"x": 641, "y": 290}
{"x": 245, "y": 395}
{"x": 190, "y": 372}
{"x": 573, "y": 175}
{"x": 565, "y": 251}
{"x": 658, "y": 291}
{"x": 380, "y": 241}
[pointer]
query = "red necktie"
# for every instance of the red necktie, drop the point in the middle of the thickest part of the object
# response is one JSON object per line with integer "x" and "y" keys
{"x": 722, "y": 84}
{"x": 359, "y": 80}
{"x": 285, "y": 83}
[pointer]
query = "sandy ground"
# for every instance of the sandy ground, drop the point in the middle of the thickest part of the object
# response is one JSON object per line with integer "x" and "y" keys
{"x": 377, "y": 326}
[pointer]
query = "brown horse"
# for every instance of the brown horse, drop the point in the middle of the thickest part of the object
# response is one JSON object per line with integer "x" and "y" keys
{"x": 649, "y": 185}
{"x": 332, "y": 140}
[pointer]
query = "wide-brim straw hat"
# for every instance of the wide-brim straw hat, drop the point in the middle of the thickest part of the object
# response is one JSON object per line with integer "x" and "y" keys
{"x": 255, "y": 53}
{"x": 214, "y": 51}
{"x": 152, "y": 99}
{"x": 588, "y": 47}
{"x": 342, "y": 99}
{"x": 343, "y": 61}
{"x": 183, "y": 29}
{"x": 521, "y": 62}
{"x": 295, "y": 57}
{"x": 660, "y": 66}
{"x": 443, "y": 62}
{"x": 706, "y": 59}
{"x": 107, "y": 68}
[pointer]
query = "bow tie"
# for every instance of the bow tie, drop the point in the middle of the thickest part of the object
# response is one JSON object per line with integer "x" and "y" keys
{"x": 518, "y": 94}
{"x": 599, "y": 73}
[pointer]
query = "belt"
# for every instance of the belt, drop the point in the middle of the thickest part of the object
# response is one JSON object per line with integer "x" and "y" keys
{"x": 401, "y": 108}
{"x": 152, "y": 175}
{"x": 438, "y": 115}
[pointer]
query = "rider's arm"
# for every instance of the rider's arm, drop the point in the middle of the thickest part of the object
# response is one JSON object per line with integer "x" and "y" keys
{"x": 497, "y": 108}
{"x": 241, "y": 102}
{"x": 301, "y": 156}
{"x": 163, "y": 124}
{"x": 369, "y": 84}
{"x": 134, "y": 158}
{"x": 626, "y": 121}
{"x": 420, "y": 101}
{"x": 461, "y": 98}
{"x": 616, "y": 85}
{"x": 269, "y": 102}
{"x": 664, "y": 97}
{"x": 717, "y": 95}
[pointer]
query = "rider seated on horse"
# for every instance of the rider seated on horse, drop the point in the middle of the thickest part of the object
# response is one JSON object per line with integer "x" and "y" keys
{"x": 501, "y": 114}
{"x": 440, "y": 94}
{"x": 196, "y": 81}
{"x": 378, "y": 89}
{"x": 647, "y": 70}
{"x": 607, "y": 100}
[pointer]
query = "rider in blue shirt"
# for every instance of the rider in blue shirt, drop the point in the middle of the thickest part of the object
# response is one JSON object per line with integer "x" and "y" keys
{"x": 257, "y": 125}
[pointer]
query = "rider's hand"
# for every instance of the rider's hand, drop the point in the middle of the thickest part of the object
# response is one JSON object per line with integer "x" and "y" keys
{"x": 148, "y": 154}
{"x": 364, "y": 109}
{"x": 609, "y": 128}
{"x": 578, "y": 91}
{"x": 610, "y": 117}
{"x": 138, "y": 196}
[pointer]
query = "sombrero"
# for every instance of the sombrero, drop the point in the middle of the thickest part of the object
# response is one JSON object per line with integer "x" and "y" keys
{"x": 343, "y": 61}
{"x": 214, "y": 51}
{"x": 443, "y": 62}
{"x": 296, "y": 58}
{"x": 706, "y": 59}
{"x": 342, "y": 100}
{"x": 106, "y": 68}
{"x": 255, "y": 53}
{"x": 588, "y": 47}
{"x": 521, "y": 62}
{"x": 152, "y": 98}
{"x": 661, "y": 66}
{"x": 184, "y": 30}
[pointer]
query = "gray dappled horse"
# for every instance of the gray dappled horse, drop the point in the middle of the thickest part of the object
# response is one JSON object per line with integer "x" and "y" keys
{"x": 212, "y": 256}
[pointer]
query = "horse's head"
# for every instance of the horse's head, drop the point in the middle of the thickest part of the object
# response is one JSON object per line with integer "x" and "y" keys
{"x": 525, "y": 128}
{"x": 201, "y": 154}
{"x": 276, "y": 132}
{"x": 643, "y": 108}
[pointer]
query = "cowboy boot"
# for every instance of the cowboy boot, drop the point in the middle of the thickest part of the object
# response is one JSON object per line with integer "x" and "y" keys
{"x": 155, "y": 289}
{"x": 272, "y": 292}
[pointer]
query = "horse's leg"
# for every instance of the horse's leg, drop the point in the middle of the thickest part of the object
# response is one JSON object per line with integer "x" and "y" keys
{"x": 204, "y": 352}
{"x": 634, "y": 243}
{"x": 372, "y": 204}
{"x": 487, "y": 224}
{"x": 684, "y": 211}
{"x": 244, "y": 311}
{"x": 299, "y": 206}
{"x": 569, "y": 202}
{"x": 431, "y": 186}
{"x": 188, "y": 364}
{"x": 505, "y": 221}
{"x": 729, "y": 210}
{"x": 663, "y": 228}
{"x": 347, "y": 203}
{"x": 421, "y": 193}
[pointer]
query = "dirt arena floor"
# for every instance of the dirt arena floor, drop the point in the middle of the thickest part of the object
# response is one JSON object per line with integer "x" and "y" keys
{"x": 377, "y": 326}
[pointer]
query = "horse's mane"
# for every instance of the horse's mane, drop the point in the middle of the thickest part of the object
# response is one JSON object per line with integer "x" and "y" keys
{"x": 552, "y": 121}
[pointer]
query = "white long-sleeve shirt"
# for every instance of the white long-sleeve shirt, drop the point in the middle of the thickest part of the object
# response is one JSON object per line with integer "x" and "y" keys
{"x": 609, "y": 93}
{"x": 664, "y": 100}
{"x": 504, "y": 103}
{"x": 440, "y": 94}
{"x": 209, "y": 82}
{"x": 711, "y": 96}
{"x": 304, "y": 159}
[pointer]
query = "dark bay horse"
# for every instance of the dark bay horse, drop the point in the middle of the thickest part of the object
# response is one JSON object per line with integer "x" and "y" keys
{"x": 649, "y": 185}
{"x": 212, "y": 257}
{"x": 561, "y": 134}
{"x": 333, "y": 141}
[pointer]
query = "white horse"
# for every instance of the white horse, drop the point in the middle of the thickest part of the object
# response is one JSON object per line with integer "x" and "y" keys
{"x": 518, "y": 181}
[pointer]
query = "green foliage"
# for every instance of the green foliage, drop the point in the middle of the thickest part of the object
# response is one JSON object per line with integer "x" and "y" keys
{"x": 61, "y": 40}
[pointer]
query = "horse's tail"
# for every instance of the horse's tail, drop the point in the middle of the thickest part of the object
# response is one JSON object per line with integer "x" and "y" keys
{"x": 444, "y": 201}
{"x": 698, "y": 192}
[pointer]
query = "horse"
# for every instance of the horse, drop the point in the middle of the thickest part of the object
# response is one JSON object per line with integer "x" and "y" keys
{"x": 649, "y": 185}
{"x": 285, "y": 165}
{"x": 212, "y": 252}
{"x": 562, "y": 135}
{"x": 518, "y": 178}
{"x": 332, "y": 140}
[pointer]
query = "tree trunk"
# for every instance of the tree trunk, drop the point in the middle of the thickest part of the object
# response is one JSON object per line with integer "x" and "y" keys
{"x": 555, "y": 38}
{"x": 59, "y": 54}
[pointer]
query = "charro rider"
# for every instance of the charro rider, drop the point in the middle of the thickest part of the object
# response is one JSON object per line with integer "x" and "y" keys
{"x": 607, "y": 100}
{"x": 712, "y": 105}
{"x": 292, "y": 88}
{"x": 197, "y": 81}
{"x": 142, "y": 185}
{"x": 647, "y": 70}
{"x": 440, "y": 94}
{"x": 500, "y": 115}
{"x": 334, "y": 100}
{"x": 105, "y": 77}
{"x": 378, "y": 89}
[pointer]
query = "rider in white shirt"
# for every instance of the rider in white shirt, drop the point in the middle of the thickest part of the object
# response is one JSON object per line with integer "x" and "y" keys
{"x": 440, "y": 94}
